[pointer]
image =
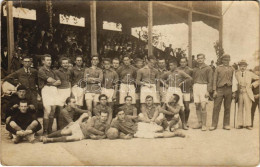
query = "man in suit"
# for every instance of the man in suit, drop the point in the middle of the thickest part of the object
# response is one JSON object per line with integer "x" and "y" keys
{"x": 256, "y": 95}
{"x": 244, "y": 78}
{"x": 28, "y": 77}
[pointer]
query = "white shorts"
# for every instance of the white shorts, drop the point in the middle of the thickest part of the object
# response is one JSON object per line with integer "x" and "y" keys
{"x": 126, "y": 90}
{"x": 63, "y": 94}
{"x": 146, "y": 91}
{"x": 76, "y": 130}
{"x": 199, "y": 92}
{"x": 92, "y": 96}
{"x": 186, "y": 96}
{"x": 147, "y": 130}
{"x": 49, "y": 95}
{"x": 174, "y": 90}
{"x": 78, "y": 93}
{"x": 109, "y": 93}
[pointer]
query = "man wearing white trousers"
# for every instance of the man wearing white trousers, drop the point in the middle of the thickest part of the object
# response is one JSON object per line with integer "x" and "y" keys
{"x": 246, "y": 96}
{"x": 48, "y": 82}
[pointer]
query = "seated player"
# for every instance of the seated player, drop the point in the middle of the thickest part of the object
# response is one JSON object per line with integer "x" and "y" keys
{"x": 94, "y": 128}
{"x": 23, "y": 124}
{"x": 103, "y": 106}
{"x": 128, "y": 127}
{"x": 128, "y": 107}
{"x": 68, "y": 112}
{"x": 171, "y": 112}
{"x": 14, "y": 102}
{"x": 150, "y": 112}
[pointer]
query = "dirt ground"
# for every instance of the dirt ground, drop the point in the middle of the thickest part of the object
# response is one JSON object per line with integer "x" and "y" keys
{"x": 219, "y": 147}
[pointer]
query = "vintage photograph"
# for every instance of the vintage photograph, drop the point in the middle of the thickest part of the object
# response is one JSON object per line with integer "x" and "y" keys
{"x": 130, "y": 83}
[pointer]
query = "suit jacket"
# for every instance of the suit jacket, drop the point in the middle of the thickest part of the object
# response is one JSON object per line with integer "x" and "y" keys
{"x": 249, "y": 77}
{"x": 29, "y": 80}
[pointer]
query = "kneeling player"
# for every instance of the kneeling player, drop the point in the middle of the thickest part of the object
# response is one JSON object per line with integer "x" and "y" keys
{"x": 128, "y": 128}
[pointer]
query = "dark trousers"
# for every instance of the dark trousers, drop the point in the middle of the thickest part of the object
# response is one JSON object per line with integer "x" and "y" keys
{"x": 254, "y": 105}
{"x": 225, "y": 93}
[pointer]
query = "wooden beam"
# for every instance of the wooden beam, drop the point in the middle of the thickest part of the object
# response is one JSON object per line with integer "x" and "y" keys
{"x": 221, "y": 28}
{"x": 190, "y": 36}
{"x": 187, "y": 10}
{"x": 150, "y": 28}
{"x": 93, "y": 24}
{"x": 10, "y": 33}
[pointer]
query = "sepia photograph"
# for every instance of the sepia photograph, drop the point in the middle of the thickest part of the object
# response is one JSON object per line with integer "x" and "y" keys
{"x": 130, "y": 83}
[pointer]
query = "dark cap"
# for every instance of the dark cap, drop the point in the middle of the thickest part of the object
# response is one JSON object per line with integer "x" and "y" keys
{"x": 225, "y": 56}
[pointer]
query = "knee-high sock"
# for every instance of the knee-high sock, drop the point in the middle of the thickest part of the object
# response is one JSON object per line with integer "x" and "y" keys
{"x": 204, "y": 118}
{"x": 187, "y": 114}
{"x": 50, "y": 123}
{"x": 199, "y": 115}
{"x": 55, "y": 134}
{"x": 45, "y": 124}
{"x": 182, "y": 116}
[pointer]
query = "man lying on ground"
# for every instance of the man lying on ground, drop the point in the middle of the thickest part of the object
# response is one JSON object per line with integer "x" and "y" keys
{"x": 67, "y": 114}
{"x": 23, "y": 124}
{"x": 94, "y": 128}
{"x": 128, "y": 127}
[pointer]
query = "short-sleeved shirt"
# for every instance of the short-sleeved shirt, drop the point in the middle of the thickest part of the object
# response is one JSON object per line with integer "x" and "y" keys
{"x": 65, "y": 78}
{"x": 77, "y": 75}
{"x": 174, "y": 78}
{"x": 97, "y": 73}
{"x": 44, "y": 74}
{"x": 186, "y": 87}
{"x": 110, "y": 78}
{"x": 127, "y": 126}
{"x": 129, "y": 110}
{"x": 127, "y": 74}
{"x": 147, "y": 75}
{"x": 94, "y": 122}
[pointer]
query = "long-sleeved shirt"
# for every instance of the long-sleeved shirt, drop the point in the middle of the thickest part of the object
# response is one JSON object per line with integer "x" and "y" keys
{"x": 129, "y": 110}
{"x": 44, "y": 74}
{"x": 127, "y": 74}
{"x": 99, "y": 108}
{"x": 110, "y": 79}
{"x": 147, "y": 75}
{"x": 94, "y": 124}
{"x": 77, "y": 75}
{"x": 94, "y": 77}
{"x": 66, "y": 115}
{"x": 126, "y": 126}
{"x": 223, "y": 75}
{"x": 174, "y": 78}
{"x": 65, "y": 78}
{"x": 23, "y": 120}
{"x": 28, "y": 78}
{"x": 203, "y": 75}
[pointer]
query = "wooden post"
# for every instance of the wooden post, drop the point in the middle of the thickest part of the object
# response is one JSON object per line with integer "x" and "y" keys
{"x": 10, "y": 33}
{"x": 93, "y": 24}
{"x": 190, "y": 35}
{"x": 221, "y": 27}
{"x": 150, "y": 28}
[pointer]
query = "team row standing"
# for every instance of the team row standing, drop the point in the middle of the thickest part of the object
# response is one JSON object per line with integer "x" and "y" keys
{"x": 138, "y": 82}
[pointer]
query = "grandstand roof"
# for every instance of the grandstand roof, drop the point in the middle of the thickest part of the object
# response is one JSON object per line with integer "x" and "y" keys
{"x": 134, "y": 13}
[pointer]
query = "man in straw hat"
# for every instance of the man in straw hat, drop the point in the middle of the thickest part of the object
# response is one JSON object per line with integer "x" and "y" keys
{"x": 246, "y": 96}
{"x": 222, "y": 87}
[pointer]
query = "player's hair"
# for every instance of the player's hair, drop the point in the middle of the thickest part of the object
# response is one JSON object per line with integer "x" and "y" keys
{"x": 27, "y": 57}
{"x": 102, "y": 95}
{"x": 126, "y": 56}
{"x": 68, "y": 100}
{"x": 107, "y": 59}
{"x": 63, "y": 58}
{"x": 104, "y": 111}
{"x": 173, "y": 62}
{"x": 161, "y": 58}
{"x": 183, "y": 58}
{"x": 94, "y": 56}
{"x": 24, "y": 101}
{"x": 148, "y": 97}
{"x": 128, "y": 97}
{"x": 79, "y": 56}
{"x": 200, "y": 54}
{"x": 117, "y": 59}
{"x": 177, "y": 97}
{"x": 151, "y": 57}
{"x": 44, "y": 56}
